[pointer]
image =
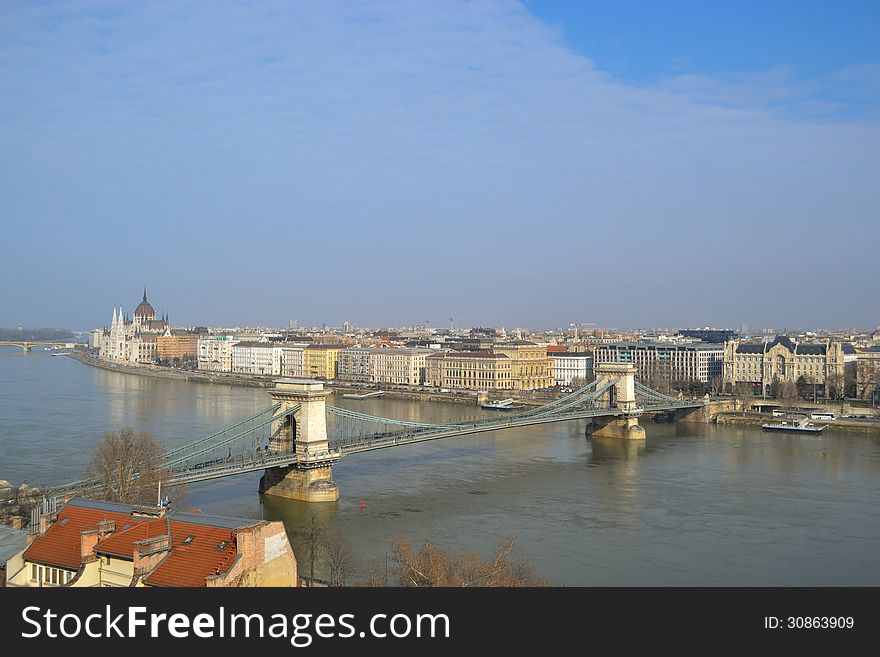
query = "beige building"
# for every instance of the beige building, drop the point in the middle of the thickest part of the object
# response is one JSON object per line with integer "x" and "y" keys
{"x": 784, "y": 360}
{"x": 531, "y": 367}
{"x": 177, "y": 344}
{"x": 102, "y": 544}
{"x": 399, "y": 365}
{"x": 868, "y": 374}
{"x": 356, "y": 364}
{"x": 474, "y": 370}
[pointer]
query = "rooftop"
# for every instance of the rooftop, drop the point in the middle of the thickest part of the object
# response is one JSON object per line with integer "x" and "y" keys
{"x": 201, "y": 545}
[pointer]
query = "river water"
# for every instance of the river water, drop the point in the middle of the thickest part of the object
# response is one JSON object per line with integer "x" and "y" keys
{"x": 695, "y": 505}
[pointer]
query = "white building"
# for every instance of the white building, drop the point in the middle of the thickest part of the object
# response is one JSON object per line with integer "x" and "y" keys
{"x": 215, "y": 353}
{"x": 696, "y": 362}
{"x": 401, "y": 366}
{"x": 252, "y": 358}
{"x": 570, "y": 366}
{"x": 288, "y": 360}
{"x": 133, "y": 341}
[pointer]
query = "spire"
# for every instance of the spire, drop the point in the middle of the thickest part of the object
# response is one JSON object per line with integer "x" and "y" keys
{"x": 145, "y": 293}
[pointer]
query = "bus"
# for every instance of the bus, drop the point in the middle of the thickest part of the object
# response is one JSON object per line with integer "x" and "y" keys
{"x": 822, "y": 416}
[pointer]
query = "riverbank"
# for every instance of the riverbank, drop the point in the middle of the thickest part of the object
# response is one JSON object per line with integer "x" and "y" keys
{"x": 432, "y": 394}
{"x": 847, "y": 425}
{"x": 178, "y": 375}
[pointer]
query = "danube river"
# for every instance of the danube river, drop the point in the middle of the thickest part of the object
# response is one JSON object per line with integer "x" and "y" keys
{"x": 695, "y": 505}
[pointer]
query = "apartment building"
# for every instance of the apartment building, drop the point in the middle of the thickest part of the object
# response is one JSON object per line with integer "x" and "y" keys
{"x": 571, "y": 366}
{"x": 474, "y": 370}
{"x": 215, "y": 352}
{"x": 356, "y": 364}
{"x": 319, "y": 361}
{"x": 253, "y": 358}
{"x": 695, "y": 362}
{"x": 399, "y": 365}
{"x": 177, "y": 344}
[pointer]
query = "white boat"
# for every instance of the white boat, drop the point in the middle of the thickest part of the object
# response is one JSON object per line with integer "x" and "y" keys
{"x": 366, "y": 395}
{"x": 802, "y": 426}
{"x": 503, "y": 405}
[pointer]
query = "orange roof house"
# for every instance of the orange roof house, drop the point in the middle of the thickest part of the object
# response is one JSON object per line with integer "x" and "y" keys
{"x": 94, "y": 543}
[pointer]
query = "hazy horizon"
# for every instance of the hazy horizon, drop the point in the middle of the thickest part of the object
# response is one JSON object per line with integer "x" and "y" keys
{"x": 507, "y": 164}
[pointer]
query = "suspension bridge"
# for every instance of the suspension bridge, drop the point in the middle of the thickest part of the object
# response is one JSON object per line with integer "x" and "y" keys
{"x": 297, "y": 439}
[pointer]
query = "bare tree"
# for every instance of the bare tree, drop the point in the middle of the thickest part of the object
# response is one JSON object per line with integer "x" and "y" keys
{"x": 432, "y": 565}
{"x": 314, "y": 542}
{"x": 128, "y": 467}
{"x": 743, "y": 394}
{"x": 788, "y": 393}
{"x": 340, "y": 557}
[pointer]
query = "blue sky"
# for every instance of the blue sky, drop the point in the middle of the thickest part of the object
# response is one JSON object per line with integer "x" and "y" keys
{"x": 518, "y": 164}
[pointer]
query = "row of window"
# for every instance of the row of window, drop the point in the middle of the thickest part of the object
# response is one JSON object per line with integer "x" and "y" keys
{"x": 49, "y": 575}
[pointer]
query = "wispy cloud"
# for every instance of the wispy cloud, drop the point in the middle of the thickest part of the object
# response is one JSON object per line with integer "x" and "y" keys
{"x": 418, "y": 139}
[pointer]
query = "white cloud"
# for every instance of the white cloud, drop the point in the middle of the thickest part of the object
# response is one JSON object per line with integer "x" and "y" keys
{"x": 461, "y": 125}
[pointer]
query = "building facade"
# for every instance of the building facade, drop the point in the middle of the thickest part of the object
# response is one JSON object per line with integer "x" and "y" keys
{"x": 215, "y": 352}
{"x": 399, "y": 366}
{"x": 531, "y": 368}
{"x": 473, "y": 370}
{"x": 133, "y": 341}
{"x": 356, "y": 364}
{"x": 568, "y": 367}
{"x": 177, "y": 345}
{"x": 319, "y": 361}
{"x": 868, "y": 374}
{"x": 288, "y": 360}
{"x": 762, "y": 364}
{"x": 663, "y": 362}
{"x": 253, "y": 358}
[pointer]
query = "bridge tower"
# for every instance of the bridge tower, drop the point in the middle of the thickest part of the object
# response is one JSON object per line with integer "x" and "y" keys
{"x": 310, "y": 477}
{"x": 621, "y": 395}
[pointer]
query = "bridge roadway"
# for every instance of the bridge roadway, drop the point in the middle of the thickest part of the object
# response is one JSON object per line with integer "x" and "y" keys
{"x": 261, "y": 460}
{"x": 358, "y": 432}
{"x": 27, "y": 345}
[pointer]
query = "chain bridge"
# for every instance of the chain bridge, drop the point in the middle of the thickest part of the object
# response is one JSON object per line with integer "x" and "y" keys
{"x": 297, "y": 439}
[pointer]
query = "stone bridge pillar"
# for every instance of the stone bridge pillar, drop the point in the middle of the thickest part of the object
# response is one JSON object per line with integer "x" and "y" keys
{"x": 622, "y": 396}
{"x": 310, "y": 477}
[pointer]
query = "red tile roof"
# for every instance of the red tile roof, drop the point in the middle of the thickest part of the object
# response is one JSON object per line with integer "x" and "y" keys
{"x": 60, "y": 545}
{"x": 189, "y": 564}
{"x": 121, "y": 542}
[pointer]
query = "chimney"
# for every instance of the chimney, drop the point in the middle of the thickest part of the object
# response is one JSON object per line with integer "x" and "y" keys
{"x": 88, "y": 539}
{"x": 149, "y": 552}
{"x": 105, "y": 528}
{"x": 44, "y": 523}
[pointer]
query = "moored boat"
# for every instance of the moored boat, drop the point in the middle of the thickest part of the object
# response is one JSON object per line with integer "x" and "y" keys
{"x": 803, "y": 426}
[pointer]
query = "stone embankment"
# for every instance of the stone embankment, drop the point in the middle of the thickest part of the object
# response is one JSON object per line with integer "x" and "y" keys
{"x": 850, "y": 425}
{"x": 224, "y": 378}
{"x": 176, "y": 374}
